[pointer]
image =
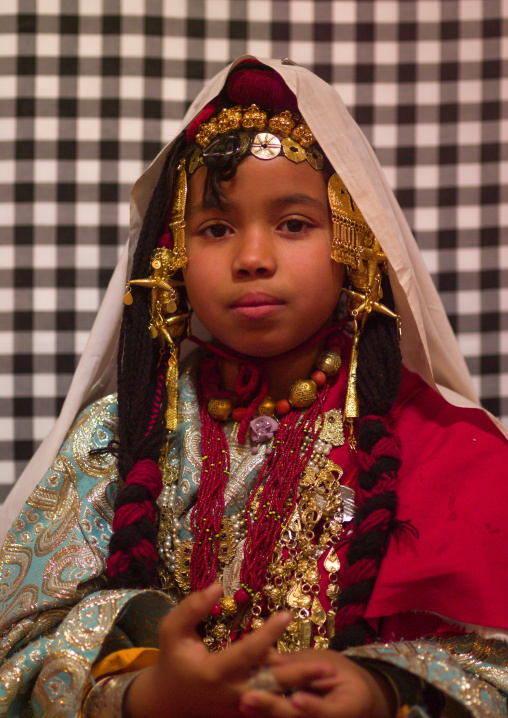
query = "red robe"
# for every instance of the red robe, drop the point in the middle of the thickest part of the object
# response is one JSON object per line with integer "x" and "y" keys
{"x": 453, "y": 488}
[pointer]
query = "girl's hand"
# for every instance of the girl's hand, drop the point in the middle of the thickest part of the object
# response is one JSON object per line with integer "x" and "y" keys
{"x": 190, "y": 682}
{"x": 352, "y": 692}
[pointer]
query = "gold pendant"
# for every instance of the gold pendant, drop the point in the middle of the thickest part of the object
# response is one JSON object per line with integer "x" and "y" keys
{"x": 220, "y": 632}
{"x": 273, "y": 594}
{"x": 294, "y": 523}
{"x": 229, "y": 605}
{"x": 333, "y": 430}
{"x": 321, "y": 643}
{"x": 332, "y": 591}
{"x": 297, "y": 599}
{"x": 311, "y": 575}
{"x": 284, "y": 645}
{"x": 330, "y": 623}
{"x": 293, "y": 596}
{"x": 308, "y": 478}
{"x": 172, "y": 393}
{"x": 257, "y": 623}
{"x": 332, "y": 563}
{"x": 305, "y": 632}
{"x": 351, "y": 407}
{"x": 231, "y": 573}
{"x": 332, "y": 467}
{"x": 317, "y": 615}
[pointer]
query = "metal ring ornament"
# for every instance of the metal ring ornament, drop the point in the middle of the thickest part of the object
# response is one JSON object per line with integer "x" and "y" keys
{"x": 264, "y": 680}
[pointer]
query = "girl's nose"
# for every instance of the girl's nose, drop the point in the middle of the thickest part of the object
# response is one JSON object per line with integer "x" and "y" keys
{"x": 254, "y": 254}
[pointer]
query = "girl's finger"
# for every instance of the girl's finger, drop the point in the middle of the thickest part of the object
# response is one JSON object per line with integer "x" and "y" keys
{"x": 183, "y": 619}
{"x": 252, "y": 650}
{"x": 317, "y": 707}
{"x": 258, "y": 704}
{"x": 313, "y": 676}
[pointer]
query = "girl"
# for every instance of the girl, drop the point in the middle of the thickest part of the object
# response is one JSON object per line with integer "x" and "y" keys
{"x": 300, "y": 475}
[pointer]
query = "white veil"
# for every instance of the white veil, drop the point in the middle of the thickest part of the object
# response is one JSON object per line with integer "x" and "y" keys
{"x": 429, "y": 346}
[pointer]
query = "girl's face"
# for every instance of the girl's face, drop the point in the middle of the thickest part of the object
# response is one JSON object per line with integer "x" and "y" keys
{"x": 259, "y": 273}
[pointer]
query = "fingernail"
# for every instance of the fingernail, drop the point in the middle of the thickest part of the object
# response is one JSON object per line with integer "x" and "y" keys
{"x": 298, "y": 700}
{"x": 249, "y": 706}
{"x": 250, "y": 701}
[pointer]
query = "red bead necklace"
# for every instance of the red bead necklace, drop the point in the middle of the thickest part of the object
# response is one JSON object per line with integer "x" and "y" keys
{"x": 279, "y": 475}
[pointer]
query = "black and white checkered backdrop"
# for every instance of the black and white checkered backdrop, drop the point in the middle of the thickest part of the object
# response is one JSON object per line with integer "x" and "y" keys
{"x": 91, "y": 89}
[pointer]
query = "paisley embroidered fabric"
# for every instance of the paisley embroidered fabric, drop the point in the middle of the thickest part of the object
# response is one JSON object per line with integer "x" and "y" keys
{"x": 56, "y": 621}
{"x": 457, "y": 678}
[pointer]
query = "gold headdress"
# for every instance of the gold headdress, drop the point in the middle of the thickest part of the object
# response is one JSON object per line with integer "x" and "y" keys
{"x": 355, "y": 245}
{"x": 284, "y": 133}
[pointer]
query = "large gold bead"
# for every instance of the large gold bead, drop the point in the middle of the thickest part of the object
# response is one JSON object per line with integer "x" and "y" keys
{"x": 302, "y": 393}
{"x": 282, "y": 124}
{"x": 228, "y": 605}
{"x": 303, "y": 135}
{"x": 329, "y": 362}
{"x": 254, "y": 117}
{"x": 220, "y": 632}
{"x": 220, "y": 409}
{"x": 267, "y": 407}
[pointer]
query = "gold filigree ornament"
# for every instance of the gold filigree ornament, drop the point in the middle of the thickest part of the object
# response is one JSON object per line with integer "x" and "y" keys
{"x": 355, "y": 245}
{"x": 168, "y": 322}
{"x": 284, "y": 133}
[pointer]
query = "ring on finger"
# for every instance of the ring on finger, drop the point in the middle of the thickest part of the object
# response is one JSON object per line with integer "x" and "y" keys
{"x": 264, "y": 680}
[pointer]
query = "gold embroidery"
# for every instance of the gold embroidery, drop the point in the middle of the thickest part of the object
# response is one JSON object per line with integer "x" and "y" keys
{"x": 61, "y": 682}
{"x": 420, "y": 658}
{"x": 65, "y": 570}
{"x": 475, "y": 654}
{"x": 100, "y": 499}
{"x": 16, "y": 562}
{"x": 97, "y": 415}
{"x": 63, "y": 516}
{"x": 11, "y": 679}
{"x": 89, "y": 623}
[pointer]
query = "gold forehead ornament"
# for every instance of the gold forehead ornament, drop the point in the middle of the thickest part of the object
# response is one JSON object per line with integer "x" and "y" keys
{"x": 285, "y": 133}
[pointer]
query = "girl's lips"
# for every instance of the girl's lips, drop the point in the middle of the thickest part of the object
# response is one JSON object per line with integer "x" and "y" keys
{"x": 257, "y": 305}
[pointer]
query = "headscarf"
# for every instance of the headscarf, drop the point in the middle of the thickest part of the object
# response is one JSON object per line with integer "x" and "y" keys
{"x": 428, "y": 344}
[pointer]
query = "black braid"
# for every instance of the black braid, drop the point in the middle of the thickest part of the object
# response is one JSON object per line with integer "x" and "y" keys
{"x": 379, "y": 375}
{"x": 379, "y": 367}
{"x": 138, "y": 359}
{"x": 139, "y": 354}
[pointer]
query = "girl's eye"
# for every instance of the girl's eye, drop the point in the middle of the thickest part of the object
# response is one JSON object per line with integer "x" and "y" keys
{"x": 294, "y": 226}
{"x": 216, "y": 231}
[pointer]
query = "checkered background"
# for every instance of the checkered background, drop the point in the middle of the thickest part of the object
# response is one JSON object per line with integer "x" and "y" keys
{"x": 91, "y": 89}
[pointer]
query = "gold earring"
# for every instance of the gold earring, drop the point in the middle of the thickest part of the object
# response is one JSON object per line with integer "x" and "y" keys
{"x": 167, "y": 321}
{"x": 355, "y": 245}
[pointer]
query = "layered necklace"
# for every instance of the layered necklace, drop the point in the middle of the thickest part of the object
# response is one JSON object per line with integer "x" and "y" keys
{"x": 266, "y": 556}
